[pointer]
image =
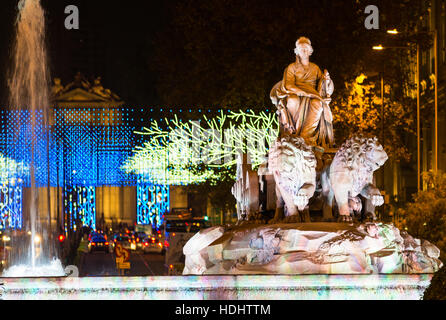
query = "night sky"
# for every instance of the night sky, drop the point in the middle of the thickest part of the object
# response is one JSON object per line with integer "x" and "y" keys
{"x": 114, "y": 41}
{"x": 117, "y": 40}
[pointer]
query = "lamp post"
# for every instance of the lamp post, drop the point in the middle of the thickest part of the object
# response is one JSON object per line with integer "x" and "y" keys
{"x": 382, "y": 112}
{"x": 436, "y": 100}
{"x": 434, "y": 35}
{"x": 380, "y": 47}
{"x": 418, "y": 121}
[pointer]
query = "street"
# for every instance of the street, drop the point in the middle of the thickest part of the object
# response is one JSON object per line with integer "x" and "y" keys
{"x": 99, "y": 264}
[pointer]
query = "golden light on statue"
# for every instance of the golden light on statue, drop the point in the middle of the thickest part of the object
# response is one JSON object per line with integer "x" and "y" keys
{"x": 392, "y": 31}
{"x": 378, "y": 47}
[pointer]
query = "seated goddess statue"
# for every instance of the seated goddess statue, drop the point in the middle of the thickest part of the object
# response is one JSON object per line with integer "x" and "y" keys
{"x": 302, "y": 99}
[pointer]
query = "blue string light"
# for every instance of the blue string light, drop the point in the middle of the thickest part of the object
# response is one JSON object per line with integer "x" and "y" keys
{"x": 84, "y": 148}
{"x": 152, "y": 203}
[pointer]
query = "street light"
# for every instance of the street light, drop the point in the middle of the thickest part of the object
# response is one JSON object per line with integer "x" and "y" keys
{"x": 434, "y": 34}
{"x": 436, "y": 98}
{"x": 379, "y": 48}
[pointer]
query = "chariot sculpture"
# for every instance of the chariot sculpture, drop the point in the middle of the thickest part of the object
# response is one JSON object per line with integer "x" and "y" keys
{"x": 302, "y": 164}
{"x": 305, "y": 172}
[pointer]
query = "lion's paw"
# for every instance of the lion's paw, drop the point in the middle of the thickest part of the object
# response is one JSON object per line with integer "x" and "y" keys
{"x": 345, "y": 218}
{"x": 377, "y": 200}
{"x": 301, "y": 201}
{"x": 370, "y": 217}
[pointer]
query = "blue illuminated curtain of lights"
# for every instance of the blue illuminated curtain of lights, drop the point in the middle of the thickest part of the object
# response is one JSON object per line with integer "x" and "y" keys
{"x": 87, "y": 147}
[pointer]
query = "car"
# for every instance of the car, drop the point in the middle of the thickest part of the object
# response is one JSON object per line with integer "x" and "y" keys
{"x": 123, "y": 239}
{"x": 116, "y": 235}
{"x": 137, "y": 238}
{"x": 152, "y": 244}
{"x": 5, "y": 248}
{"x": 98, "y": 243}
{"x": 95, "y": 233}
{"x": 160, "y": 234}
{"x": 176, "y": 234}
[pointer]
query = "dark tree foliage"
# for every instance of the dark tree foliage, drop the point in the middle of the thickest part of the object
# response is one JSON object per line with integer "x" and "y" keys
{"x": 218, "y": 192}
{"x": 230, "y": 53}
{"x": 437, "y": 288}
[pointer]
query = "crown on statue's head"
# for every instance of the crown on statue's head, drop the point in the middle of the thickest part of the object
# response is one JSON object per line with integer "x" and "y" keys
{"x": 303, "y": 40}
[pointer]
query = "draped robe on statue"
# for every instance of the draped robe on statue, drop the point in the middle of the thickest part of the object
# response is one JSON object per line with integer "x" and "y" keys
{"x": 298, "y": 98}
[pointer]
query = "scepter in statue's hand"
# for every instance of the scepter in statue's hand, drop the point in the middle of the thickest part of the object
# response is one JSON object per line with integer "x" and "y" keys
{"x": 327, "y": 87}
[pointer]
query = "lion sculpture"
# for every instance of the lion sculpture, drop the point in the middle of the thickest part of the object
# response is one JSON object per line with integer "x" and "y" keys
{"x": 293, "y": 165}
{"x": 350, "y": 175}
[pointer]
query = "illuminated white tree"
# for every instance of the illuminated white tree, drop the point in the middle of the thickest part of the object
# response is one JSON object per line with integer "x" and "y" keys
{"x": 195, "y": 151}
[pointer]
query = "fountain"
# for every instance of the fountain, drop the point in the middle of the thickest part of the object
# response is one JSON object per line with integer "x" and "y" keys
{"x": 287, "y": 259}
{"x": 306, "y": 172}
{"x": 33, "y": 251}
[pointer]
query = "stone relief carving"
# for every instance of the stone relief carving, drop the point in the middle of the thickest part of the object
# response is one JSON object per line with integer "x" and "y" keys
{"x": 81, "y": 82}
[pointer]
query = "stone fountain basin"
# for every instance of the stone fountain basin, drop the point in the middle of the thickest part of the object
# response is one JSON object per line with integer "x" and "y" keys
{"x": 308, "y": 248}
{"x": 376, "y": 262}
{"x": 220, "y": 287}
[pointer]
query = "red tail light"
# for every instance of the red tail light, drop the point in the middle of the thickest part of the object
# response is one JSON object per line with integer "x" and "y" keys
{"x": 61, "y": 238}
{"x": 106, "y": 243}
{"x": 93, "y": 244}
{"x": 166, "y": 244}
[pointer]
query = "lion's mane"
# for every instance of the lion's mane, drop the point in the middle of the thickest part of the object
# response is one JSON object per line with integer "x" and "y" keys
{"x": 352, "y": 153}
{"x": 290, "y": 153}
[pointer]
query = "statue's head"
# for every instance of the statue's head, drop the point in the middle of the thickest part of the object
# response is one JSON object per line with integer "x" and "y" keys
{"x": 303, "y": 47}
